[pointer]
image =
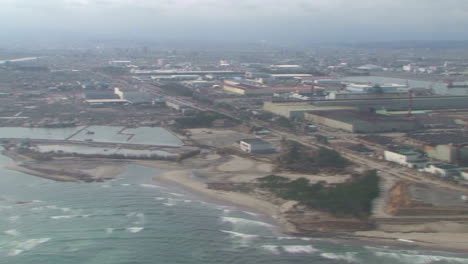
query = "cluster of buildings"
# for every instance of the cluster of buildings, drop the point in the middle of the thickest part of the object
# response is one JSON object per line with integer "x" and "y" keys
{"x": 416, "y": 159}
{"x": 116, "y": 96}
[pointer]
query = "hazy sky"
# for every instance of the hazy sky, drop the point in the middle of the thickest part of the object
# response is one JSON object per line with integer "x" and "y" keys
{"x": 252, "y": 20}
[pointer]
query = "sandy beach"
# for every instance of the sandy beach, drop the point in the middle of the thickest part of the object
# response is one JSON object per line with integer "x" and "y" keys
{"x": 235, "y": 169}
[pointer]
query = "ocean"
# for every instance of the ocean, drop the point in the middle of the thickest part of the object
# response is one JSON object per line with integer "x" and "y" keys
{"x": 133, "y": 219}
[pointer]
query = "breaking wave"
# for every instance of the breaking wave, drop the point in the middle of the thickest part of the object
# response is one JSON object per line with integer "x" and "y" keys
{"x": 241, "y": 235}
{"x": 242, "y": 221}
{"x": 348, "y": 257}
{"x": 300, "y": 249}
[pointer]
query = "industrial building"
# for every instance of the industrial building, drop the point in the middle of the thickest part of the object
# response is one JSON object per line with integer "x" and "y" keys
{"x": 442, "y": 170}
{"x": 416, "y": 103}
{"x": 256, "y": 145}
{"x": 297, "y": 109}
{"x": 246, "y": 89}
{"x": 447, "y": 146}
{"x": 176, "y": 78}
{"x": 100, "y": 95}
{"x": 358, "y": 122}
{"x": 367, "y": 88}
{"x": 406, "y": 157}
{"x": 178, "y": 72}
{"x": 105, "y": 102}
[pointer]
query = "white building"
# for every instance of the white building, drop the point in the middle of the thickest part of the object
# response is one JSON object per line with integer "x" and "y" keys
{"x": 256, "y": 145}
{"x": 442, "y": 170}
{"x": 365, "y": 88}
{"x": 406, "y": 157}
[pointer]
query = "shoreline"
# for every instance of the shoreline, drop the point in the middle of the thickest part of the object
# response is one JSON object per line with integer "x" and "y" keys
{"x": 183, "y": 179}
{"x": 180, "y": 174}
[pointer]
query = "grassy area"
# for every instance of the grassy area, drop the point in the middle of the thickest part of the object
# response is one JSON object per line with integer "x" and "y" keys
{"x": 299, "y": 158}
{"x": 353, "y": 198}
{"x": 201, "y": 119}
{"x": 176, "y": 89}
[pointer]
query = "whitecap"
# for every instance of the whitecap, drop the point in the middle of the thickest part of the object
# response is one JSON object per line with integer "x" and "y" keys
{"x": 241, "y": 235}
{"x": 15, "y": 252}
{"x": 109, "y": 230}
{"x": 242, "y": 221}
{"x": 160, "y": 198}
{"x": 56, "y": 217}
{"x": 37, "y": 201}
{"x": 420, "y": 259}
{"x": 11, "y": 232}
{"x": 299, "y": 249}
{"x": 348, "y": 256}
{"x": 187, "y": 201}
{"x": 51, "y": 207}
{"x": 13, "y": 219}
{"x": 177, "y": 194}
{"x": 287, "y": 238}
{"x": 250, "y": 213}
{"x": 27, "y": 245}
{"x": 152, "y": 186}
{"x": 135, "y": 229}
{"x": 272, "y": 249}
{"x": 65, "y": 209}
{"x": 125, "y": 184}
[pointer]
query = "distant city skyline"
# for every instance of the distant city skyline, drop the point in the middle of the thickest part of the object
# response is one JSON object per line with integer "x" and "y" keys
{"x": 226, "y": 20}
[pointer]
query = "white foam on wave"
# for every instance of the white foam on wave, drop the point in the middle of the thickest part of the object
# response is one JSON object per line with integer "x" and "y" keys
{"x": 13, "y": 219}
{"x": 37, "y": 201}
{"x": 420, "y": 259}
{"x": 63, "y": 216}
{"x": 51, "y": 207}
{"x": 286, "y": 238}
{"x": 272, "y": 249}
{"x": 299, "y": 249}
{"x": 240, "y": 235}
{"x": 349, "y": 257}
{"x": 15, "y": 252}
{"x": 187, "y": 201}
{"x": 242, "y": 221}
{"x": 11, "y": 232}
{"x": 170, "y": 202}
{"x": 125, "y": 184}
{"x": 135, "y": 229}
{"x": 57, "y": 217}
{"x": 27, "y": 245}
{"x": 250, "y": 213}
{"x": 109, "y": 230}
{"x": 177, "y": 194}
{"x": 160, "y": 198}
{"x": 152, "y": 186}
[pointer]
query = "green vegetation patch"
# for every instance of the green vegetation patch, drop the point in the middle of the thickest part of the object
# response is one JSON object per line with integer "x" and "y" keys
{"x": 350, "y": 199}
{"x": 201, "y": 119}
{"x": 299, "y": 158}
{"x": 176, "y": 89}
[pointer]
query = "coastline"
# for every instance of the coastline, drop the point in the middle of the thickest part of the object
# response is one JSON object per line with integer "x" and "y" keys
{"x": 411, "y": 240}
{"x": 180, "y": 174}
{"x": 183, "y": 179}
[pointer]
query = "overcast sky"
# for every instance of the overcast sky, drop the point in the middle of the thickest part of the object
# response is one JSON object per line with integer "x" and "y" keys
{"x": 252, "y": 20}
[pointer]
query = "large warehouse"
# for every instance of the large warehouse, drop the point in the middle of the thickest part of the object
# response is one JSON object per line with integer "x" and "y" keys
{"x": 358, "y": 122}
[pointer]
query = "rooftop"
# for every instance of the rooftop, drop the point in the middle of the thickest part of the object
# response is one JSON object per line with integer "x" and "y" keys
{"x": 254, "y": 141}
